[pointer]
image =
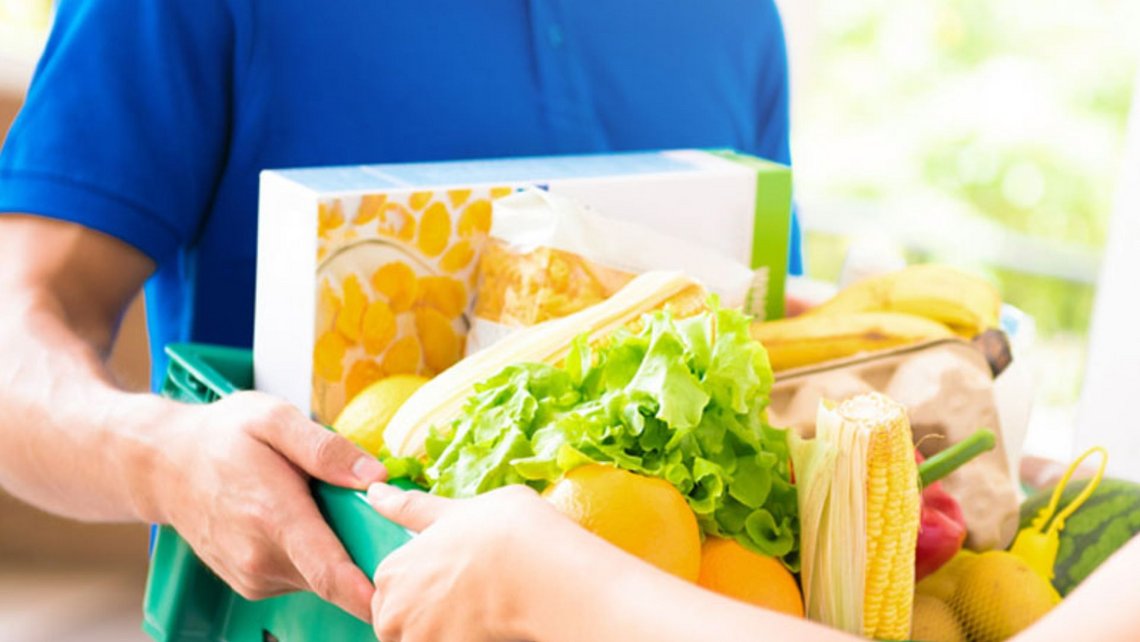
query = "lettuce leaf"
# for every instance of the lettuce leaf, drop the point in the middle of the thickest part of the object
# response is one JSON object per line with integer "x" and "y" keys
{"x": 682, "y": 400}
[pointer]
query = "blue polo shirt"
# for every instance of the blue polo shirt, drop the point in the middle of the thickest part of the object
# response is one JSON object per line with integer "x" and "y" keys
{"x": 150, "y": 120}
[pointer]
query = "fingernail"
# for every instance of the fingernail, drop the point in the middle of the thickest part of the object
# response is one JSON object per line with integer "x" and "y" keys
{"x": 379, "y": 491}
{"x": 368, "y": 470}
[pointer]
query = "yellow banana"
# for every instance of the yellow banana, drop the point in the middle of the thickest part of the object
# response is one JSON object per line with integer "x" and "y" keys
{"x": 967, "y": 304}
{"x": 810, "y": 339}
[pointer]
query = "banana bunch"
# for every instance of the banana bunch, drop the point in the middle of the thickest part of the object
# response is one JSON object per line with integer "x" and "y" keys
{"x": 916, "y": 304}
{"x": 968, "y": 305}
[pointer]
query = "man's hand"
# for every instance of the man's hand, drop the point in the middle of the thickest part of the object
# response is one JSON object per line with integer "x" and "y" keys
{"x": 234, "y": 483}
{"x": 231, "y": 476}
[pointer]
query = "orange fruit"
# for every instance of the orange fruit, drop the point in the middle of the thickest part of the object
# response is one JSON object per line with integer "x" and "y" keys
{"x": 644, "y": 516}
{"x": 732, "y": 570}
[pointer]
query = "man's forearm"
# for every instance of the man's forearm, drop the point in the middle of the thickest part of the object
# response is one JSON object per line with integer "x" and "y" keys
{"x": 232, "y": 477}
{"x": 73, "y": 442}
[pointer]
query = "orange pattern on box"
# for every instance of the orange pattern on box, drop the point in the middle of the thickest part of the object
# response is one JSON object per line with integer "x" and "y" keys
{"x": 393, "y": 286}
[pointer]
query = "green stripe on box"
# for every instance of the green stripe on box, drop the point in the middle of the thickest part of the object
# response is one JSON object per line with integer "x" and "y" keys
{"x": 771, "y": 231}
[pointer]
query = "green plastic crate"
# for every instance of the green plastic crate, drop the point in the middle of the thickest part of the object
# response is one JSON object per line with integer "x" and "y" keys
{"x": 185, "y": 601}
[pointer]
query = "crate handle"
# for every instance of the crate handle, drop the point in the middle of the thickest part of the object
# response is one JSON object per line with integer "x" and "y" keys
{"x": 190, "y": 357}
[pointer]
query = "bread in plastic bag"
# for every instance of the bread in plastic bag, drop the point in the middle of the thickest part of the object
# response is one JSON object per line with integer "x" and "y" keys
{"x": 550, "y": 256}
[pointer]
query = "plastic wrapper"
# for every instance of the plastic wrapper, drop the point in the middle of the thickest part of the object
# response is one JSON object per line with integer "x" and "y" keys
{"x": 550, "y": 256}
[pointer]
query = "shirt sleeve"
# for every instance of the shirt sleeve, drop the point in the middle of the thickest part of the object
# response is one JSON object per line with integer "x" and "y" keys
{"x": 125, "y": 124}
{"x": 773, "y": 140}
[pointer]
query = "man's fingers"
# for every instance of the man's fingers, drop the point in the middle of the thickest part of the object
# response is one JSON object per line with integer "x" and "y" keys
{"x": 319, "y": 452}
{"x": 411, "y": 509}
{"x": 324, "y": 564}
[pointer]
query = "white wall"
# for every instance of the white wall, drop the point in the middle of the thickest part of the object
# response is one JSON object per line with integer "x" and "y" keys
{"x": 1108, "y": 413}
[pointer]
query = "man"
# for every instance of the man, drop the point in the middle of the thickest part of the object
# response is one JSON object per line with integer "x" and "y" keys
{"x": 135, "y": 161}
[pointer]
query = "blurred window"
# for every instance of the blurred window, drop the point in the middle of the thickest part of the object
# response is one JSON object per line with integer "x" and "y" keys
{"x": 23, "y": 24}
{"x": 23, "y": 29}
{"x": 984, "y": 134}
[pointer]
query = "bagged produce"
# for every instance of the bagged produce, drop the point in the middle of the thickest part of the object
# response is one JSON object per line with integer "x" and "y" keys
{"x": 948, "y": 390}
{"x": 998, "y": 595}
{"x": 551, "y": 256}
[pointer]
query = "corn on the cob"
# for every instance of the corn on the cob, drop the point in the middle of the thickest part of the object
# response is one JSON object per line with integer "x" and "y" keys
{"x": 859, "y": 512}
{"x": 438, "y": 401}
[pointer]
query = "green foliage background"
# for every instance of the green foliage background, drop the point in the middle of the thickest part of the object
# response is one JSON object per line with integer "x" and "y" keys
{"x": 1012, "y": 111}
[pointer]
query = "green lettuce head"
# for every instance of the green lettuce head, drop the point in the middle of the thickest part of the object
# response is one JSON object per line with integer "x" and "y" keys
{"x": 682, "y": 400}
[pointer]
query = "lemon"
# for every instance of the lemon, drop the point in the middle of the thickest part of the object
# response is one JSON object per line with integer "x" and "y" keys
{"x": 364, "y": 418}
{"x": 999, "y": 595}
{"x": 943, "y": 583}
{"x": 934, "y": 621}
{"x": 644, "y": 516}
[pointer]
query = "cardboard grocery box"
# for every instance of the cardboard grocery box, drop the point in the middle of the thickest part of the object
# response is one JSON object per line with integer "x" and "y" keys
{"x": 368, "y": 271}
